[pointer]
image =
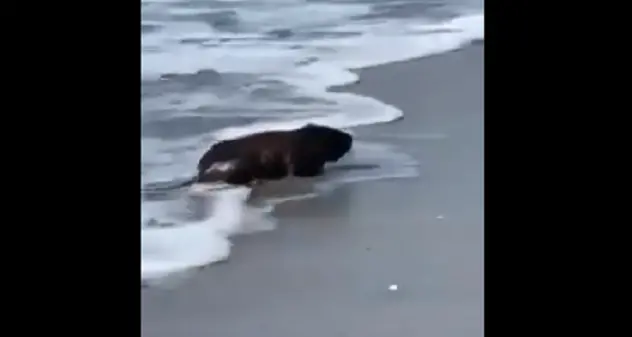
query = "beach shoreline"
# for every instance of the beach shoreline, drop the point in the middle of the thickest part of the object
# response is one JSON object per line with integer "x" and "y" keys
{"x": 327, "y": 269}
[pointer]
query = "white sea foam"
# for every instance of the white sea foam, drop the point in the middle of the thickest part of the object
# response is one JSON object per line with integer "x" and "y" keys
{"x": 310, "y": 66}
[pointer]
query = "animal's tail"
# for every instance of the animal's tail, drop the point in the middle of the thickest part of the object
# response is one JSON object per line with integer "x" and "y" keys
{"x": 170, "y": 186}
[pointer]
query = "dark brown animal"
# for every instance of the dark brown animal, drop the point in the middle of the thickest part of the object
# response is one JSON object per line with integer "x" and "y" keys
{"x": 273, "y": 155}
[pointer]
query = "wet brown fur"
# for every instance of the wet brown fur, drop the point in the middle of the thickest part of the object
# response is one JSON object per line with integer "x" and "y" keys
{"x": 274, "y": 155}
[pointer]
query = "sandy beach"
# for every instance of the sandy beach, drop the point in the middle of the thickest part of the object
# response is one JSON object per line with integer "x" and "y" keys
{"x": 326, "y": 270}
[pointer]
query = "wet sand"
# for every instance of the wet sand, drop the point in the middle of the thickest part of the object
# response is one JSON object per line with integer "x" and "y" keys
{"x": 327, "y": 268}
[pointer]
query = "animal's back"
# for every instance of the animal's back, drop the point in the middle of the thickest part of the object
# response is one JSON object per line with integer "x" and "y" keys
{"x": 231, "y": 149}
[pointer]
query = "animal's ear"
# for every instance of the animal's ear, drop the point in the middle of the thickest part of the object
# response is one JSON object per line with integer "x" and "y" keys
{"x": 310, "y": 127}
{"x": 310, "y": 132}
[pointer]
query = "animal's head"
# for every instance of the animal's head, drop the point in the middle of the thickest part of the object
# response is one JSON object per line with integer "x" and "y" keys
{"x": 332, "y": 144}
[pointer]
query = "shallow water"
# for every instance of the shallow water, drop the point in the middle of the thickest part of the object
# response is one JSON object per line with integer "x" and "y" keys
{"x": 221, "y": 69}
